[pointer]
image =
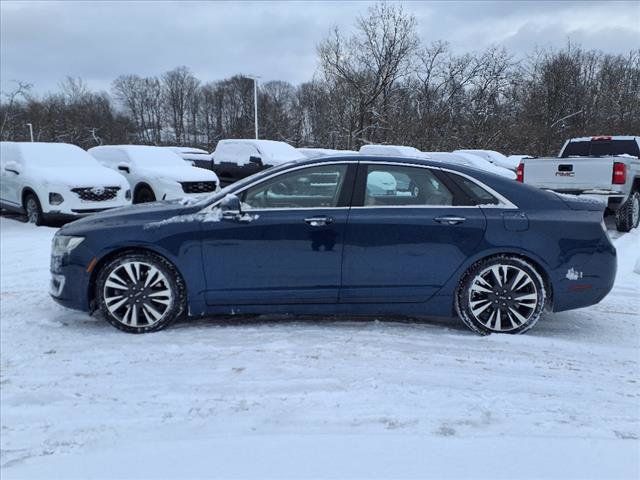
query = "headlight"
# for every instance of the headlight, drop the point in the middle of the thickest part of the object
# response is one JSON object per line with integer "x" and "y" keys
{"x": 64, "y": 244}
{"x": 55, "y": 198}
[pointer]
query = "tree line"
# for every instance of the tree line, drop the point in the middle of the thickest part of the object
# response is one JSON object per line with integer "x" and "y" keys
{"x": 379, "y": 84}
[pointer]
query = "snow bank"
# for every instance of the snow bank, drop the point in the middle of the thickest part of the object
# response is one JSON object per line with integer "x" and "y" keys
{"x": 324, "y": 152}
{"x": 300, "y": 397}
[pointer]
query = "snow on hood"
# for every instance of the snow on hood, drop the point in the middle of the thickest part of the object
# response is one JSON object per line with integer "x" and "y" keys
{"x": 182, "y": 172}
{"x": 82, "y": 176}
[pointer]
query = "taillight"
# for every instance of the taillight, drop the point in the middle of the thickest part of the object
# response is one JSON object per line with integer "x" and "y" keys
{"x": 520, "y": 173}
{"x": 619, "y": 173}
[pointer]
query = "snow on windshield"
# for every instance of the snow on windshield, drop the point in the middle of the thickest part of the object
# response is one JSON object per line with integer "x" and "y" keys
{"x": 55, "y": 155}
{"x": 148, "y": 156}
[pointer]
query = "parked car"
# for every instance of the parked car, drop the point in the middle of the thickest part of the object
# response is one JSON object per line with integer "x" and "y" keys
{"x": 472, "y": 161}
{"x": 156, "y": 173}
{"x": 235, "y": 159}
{"x": 324, "y": 152}
{"x": 494, "y": 157}
{"x": 311, "y": 237}
{"x": 602, "y": 167}
{"x": 194, "y": 156}
{"x": 56, "y": 181}
{"x": 392, "y": 151}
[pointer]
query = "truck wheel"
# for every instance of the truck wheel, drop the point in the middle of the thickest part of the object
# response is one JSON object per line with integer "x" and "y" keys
{"x": 144, "y": 194}
{"x": 628, "y": 215}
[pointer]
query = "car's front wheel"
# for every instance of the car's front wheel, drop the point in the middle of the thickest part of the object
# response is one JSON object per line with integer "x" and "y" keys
{"x": 501, "y": 294}
{"x": 140, "y": 292}
{"x": 33, "y": 209}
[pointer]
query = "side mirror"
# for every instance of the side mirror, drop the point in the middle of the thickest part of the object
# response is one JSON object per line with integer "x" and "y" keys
{"x": 12, "y": 167}
{"x": 231, "y": 208}
{"x": 256, "y": 160}
{"x": 124, "y": 167}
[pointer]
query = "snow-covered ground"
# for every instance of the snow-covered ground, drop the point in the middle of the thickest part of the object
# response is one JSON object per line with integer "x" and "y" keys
{"x": 321, "y": 398}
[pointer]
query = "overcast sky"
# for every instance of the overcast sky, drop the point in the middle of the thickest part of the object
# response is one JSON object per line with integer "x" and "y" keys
{"x": 42, "y": 42}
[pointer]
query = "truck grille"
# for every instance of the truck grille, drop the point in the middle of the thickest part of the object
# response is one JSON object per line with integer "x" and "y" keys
{"x": 198, "y": 187}
{"x": 96, "y": 194}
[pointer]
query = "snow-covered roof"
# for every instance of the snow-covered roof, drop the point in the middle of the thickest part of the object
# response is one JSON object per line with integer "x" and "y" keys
{"x": 145, "y": 154}
{"x": 613, "y": 137}
{"x": 270, "y": 150}
{"x": 392, "y": 151}
{"x": 187, "y": 150}
{"x": 324, "y": 152}
{"x": 53, "y": 154}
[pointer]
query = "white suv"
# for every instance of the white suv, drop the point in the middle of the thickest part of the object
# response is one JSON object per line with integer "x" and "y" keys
{"x": 156, "y": 173}
{"x": 56, "y": 181}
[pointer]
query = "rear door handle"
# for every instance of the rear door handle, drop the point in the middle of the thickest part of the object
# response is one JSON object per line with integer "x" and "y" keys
{"x": 450, "y": 219}
{"x": 318, "y": 221}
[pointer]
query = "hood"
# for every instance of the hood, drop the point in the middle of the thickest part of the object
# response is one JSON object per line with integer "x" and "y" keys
{"x": 93, "y": 176}
{"x": 180, "y": 173}
{"x": 130, "y": 216}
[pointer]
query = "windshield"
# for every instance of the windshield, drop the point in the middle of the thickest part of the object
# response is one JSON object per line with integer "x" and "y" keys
{"x": 241, "y": 183}
{"x": 56, "y": 155}
{"x": 601, "y": 148}
{"x": 154, "y": 157}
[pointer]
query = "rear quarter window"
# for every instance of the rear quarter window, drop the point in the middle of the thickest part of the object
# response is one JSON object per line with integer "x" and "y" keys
{"x": 477, "y": 194}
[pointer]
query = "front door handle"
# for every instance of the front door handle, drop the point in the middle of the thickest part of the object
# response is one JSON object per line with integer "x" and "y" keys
{"x": 450, "y": 219}
{"x": 318, "y": 221}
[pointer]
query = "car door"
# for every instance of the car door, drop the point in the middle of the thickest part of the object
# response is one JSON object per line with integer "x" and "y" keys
{"x": 287, "y": 246}
{"x": 11, "y": 174}
{"x": 409, "y": 229}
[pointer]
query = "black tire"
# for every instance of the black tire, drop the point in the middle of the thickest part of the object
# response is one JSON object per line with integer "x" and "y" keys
{"x": 515, "y": 302}
{"x": 141, "y": 302}
{"x": 628, "y": 215}
{"x": 33, "y": 209}
{"x": 144, "y": 194}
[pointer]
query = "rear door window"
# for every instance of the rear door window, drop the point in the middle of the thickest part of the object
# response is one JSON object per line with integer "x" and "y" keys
{"x": 399, "y": 185}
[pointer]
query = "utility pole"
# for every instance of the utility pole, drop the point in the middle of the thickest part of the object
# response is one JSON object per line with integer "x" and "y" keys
{"x": 255, "y": 101}
{"x": 30, "y": 130}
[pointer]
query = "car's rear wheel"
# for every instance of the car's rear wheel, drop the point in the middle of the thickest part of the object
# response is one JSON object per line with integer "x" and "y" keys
{"x": 140, "y": 292}
{"x": 501, "y": 294}
{"x": 628, "y": 215}
{"x": 144, "y": 194}
{"x": 33, "y": 209}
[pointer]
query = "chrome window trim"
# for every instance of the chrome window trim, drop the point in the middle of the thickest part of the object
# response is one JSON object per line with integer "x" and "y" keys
{"x": 504, "y": 203}
{"x": 293, "y": 169}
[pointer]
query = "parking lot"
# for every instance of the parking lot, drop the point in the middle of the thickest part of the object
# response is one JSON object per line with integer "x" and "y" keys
{"x": 281, "y": 396}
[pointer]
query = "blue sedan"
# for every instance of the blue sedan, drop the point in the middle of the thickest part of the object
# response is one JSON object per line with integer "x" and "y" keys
{"x": 342, "y": 235}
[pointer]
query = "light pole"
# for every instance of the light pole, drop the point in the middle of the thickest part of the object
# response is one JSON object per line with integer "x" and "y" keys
{"x": 30, "y": 130}
{"x": 255, "y": 101}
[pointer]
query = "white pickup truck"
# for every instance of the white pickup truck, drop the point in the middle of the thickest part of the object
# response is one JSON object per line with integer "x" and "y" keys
{"x": 603, "y": 167}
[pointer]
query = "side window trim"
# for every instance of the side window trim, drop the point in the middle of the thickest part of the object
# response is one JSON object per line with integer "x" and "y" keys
{"x": 344, "y": 196}
{"x": 361, "y": 186}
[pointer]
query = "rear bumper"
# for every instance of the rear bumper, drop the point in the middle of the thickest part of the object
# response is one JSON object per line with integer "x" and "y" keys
{"x": 587, "y": 282}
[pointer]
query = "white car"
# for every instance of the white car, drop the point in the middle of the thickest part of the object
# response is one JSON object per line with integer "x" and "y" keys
{"x": 392, "y": 151}
{"x": 474, "y": 161}
{"x": 156, "y": 173}
{"x": 56, "y": 181}
{"x": 324, "y": 152}
{"x": 194, "y": 156}
{"x": 494, "y": 157}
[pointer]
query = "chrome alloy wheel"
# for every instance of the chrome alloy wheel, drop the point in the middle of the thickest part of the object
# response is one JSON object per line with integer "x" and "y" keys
{"x": 137, "y": 294}
{"x": 502, "y": 297}
{"x": 33, "y": 215}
